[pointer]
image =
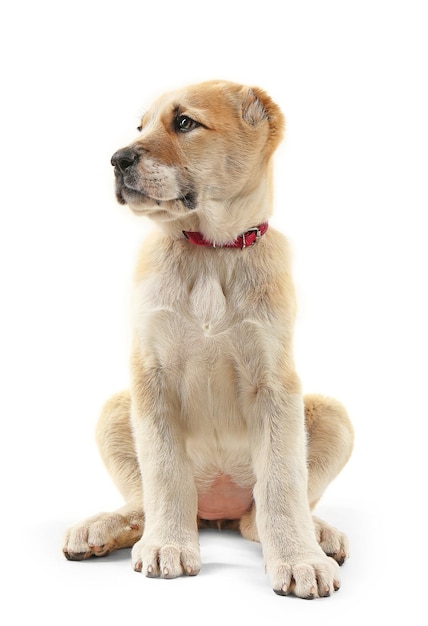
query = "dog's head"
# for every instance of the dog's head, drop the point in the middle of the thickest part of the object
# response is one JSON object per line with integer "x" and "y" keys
{"x": 201, "y": 161}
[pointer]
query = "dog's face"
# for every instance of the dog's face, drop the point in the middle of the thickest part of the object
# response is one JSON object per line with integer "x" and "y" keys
{"x": 206, "y": 143}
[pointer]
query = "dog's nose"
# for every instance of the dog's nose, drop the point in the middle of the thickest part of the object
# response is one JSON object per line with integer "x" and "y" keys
{"x": 124, "y": 158}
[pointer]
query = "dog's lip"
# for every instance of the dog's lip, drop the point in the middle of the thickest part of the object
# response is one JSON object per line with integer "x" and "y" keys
{"x": 134, "y": 194}
{"x": 125, "y": 191}
{"x": 126, "y": 186}
{"x": 144, "y": 195}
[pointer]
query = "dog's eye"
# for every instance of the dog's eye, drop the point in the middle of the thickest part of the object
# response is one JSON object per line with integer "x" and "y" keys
{"x": 139, "y": 128}
{"x": 184, "y": 124}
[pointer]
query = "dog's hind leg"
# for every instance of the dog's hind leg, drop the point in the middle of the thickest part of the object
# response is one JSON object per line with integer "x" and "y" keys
{"x": 330, "y": 441}
{"x": 116, "y": 444}
{"x": 106, "y": 532}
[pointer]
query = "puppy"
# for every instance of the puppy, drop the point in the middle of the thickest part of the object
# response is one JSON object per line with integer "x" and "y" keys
{"x": 214, "y": 430}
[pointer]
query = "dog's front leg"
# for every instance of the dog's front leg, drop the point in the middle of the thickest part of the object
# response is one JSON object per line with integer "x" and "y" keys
{"x": 169, "y": 546}
{"x": 294, "y": 560}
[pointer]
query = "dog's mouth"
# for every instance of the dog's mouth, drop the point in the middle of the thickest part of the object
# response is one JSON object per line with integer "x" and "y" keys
{"x": 139, "y": 198}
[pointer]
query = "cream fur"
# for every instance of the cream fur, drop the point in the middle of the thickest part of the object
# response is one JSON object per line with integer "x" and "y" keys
{"x": 214, "y": 392}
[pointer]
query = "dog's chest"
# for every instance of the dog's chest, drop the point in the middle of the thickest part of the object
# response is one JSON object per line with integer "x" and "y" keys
{"x": 206, "y": 305}
{"x": 193, "y": 322}
{"x": 187, "y": 310}
{"x": 187, "y": 326}
{"x": 187, "y": 329}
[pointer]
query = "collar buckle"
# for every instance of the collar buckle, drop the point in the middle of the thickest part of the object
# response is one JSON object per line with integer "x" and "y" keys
{"x": 248, "y": 232}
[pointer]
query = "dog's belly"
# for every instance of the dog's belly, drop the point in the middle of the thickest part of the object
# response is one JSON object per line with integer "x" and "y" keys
{"x": 224, "y": 500}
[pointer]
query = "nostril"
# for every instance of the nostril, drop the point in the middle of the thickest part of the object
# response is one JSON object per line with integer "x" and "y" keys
{"x": 123, "y": 159}
{"x": 125, "y": 162}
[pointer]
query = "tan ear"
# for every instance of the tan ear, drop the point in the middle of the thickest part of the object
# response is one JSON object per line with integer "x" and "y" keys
{"x": 258, "y": 107}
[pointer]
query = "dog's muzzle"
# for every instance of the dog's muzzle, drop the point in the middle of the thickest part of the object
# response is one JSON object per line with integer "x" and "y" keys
{"x": 129, "y": 185}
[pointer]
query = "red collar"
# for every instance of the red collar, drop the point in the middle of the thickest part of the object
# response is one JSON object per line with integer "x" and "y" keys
{"x": 249, "y": 238}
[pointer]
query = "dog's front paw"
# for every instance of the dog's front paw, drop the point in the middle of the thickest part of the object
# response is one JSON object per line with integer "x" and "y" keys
{"x": 166, "y": 561}
{"x": 102, "y": 534}
{"x": 310, "y": 576}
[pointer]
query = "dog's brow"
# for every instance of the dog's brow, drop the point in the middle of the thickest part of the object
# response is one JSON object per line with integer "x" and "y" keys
{"x": 178, "y": 109}
{"x": 196, "y": 114}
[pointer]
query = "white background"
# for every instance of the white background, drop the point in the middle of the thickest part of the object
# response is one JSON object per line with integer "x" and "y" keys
{"x": 351, "y": 194}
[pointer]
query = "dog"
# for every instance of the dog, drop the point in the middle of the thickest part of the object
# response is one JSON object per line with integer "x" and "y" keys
{"x": 214, "y": 430}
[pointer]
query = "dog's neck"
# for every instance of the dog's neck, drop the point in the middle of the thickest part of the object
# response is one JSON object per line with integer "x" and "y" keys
{"x": 223, "y": 222}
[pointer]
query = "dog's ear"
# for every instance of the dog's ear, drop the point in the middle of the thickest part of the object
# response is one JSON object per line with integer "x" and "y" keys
{"x": 258, "y": 107}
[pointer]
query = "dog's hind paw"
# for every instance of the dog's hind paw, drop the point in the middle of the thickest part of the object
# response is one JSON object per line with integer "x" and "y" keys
{"x": 332, "y": 541}
{"x": 102, "y": 534}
